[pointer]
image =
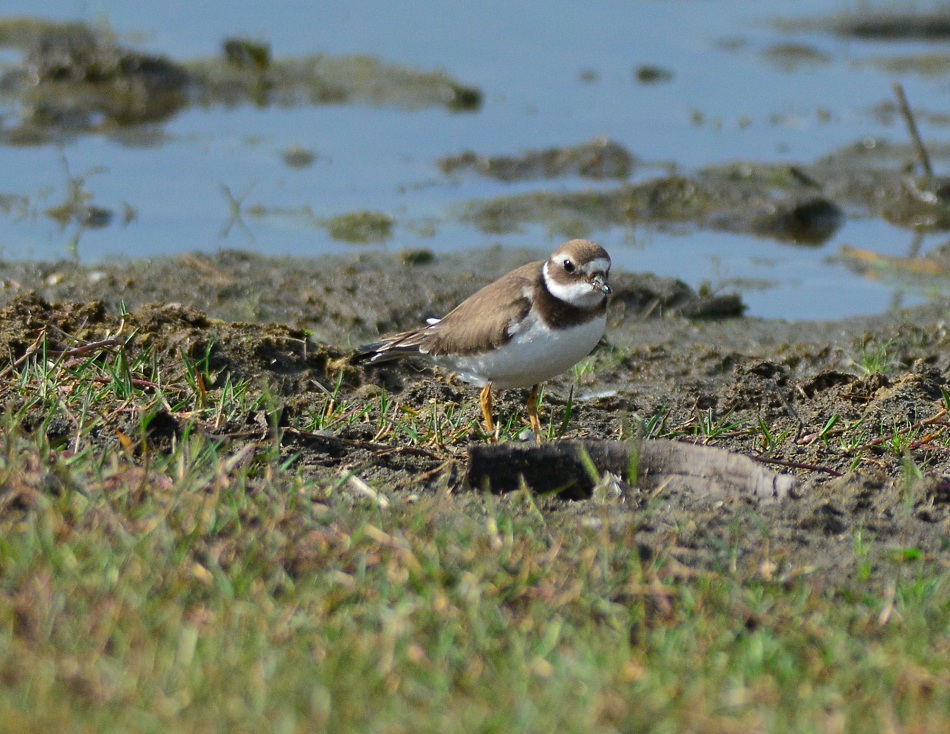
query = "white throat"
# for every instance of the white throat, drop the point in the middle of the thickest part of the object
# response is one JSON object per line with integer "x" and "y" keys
{"x": 581, "y": 294}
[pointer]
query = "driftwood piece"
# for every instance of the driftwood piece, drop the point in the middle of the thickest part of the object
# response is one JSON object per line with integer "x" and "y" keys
{"x": 571, "y": 469}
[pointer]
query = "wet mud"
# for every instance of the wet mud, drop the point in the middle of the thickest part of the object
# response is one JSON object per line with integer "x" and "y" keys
{"x": 854, "y": 410}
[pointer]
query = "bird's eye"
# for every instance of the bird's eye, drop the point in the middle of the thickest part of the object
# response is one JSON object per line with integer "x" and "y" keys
{"x": 568, "y": 266}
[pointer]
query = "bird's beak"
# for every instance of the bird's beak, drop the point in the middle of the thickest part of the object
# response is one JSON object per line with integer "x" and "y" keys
{"x": 599, "y": 282}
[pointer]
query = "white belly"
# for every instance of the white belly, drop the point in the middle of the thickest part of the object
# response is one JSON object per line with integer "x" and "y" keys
{"x": 533, "y": 355}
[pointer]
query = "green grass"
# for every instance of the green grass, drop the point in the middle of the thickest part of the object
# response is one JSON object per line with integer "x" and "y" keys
{"x": 217, "y": 585}
{"x": 877, "y": 359}
{"x": 192, "y": 597}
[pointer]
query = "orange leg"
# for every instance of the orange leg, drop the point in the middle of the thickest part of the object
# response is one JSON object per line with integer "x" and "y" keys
{"x": 485, "y": 400}
{"x": 532, "y": 410}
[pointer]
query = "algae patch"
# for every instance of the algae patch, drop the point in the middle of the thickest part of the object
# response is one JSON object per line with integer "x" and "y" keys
{"x": 797, "y": 214}
{"x": 601, "y": 158}
{"x": 360, "y": 228}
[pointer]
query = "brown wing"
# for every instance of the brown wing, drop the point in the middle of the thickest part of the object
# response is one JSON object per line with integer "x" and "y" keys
{"x": 481, "y": 322}
{"x": 477, "y": 324}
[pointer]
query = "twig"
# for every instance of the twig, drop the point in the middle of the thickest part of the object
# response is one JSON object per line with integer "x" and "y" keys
{"x": 797, "y": 465}
{"x": 932, "y": 420}
{"x": 922, "y": 156}
{"x": 889, "y": 595}
{"x": 803, "y": 178}
{"x": 927, "y": 443}
{"x": 30, "y": 351}
{"x": 421, "y": 479}
{"x": 84, "y": 349}
{"x": 376, "y": 448}
{"x": 359, "y": 486}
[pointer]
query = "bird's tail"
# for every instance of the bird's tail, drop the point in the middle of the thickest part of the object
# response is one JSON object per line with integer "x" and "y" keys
{"x": 387, "y": 350}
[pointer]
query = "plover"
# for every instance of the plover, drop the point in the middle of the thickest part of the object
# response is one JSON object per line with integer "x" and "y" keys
{"x": 519, "y": 331}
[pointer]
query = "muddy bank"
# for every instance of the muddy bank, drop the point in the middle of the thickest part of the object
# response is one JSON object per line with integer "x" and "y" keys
{"x": 75, "y": 78}
{"x": 852, "y": 408}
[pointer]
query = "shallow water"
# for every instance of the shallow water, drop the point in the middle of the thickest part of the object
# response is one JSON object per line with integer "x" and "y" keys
{"x": 552, "y": 74}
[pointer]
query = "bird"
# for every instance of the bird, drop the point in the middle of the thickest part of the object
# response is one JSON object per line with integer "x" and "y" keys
{"x": 519, "y": 331}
